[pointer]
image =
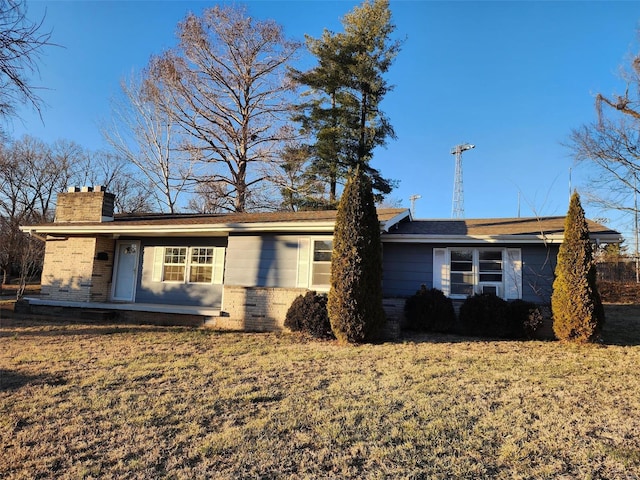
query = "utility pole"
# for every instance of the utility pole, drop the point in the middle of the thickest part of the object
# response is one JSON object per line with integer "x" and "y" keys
{"x": 413, "y": 199}
{"x": 635, "y": 223}
{"x": 457, "y": 209}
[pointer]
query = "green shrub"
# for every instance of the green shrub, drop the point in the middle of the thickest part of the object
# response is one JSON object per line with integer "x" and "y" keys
{"x": 429, "y": 310}
{"x": 308, "y": 314}
{"x": 578, "y": 314}
{"x": 485, "y": 315}
{"x": 355, "y": 298}
{"x": 525, "y": 318}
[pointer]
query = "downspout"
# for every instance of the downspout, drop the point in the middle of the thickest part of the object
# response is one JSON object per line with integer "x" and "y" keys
{"x": 32, "y": 233}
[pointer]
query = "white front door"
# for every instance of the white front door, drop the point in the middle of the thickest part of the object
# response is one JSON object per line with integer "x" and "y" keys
{"x": 126, "y": 269}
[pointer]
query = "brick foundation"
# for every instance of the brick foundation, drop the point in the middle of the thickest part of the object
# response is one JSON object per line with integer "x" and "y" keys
{"x": 264, "y": 310}
{"x": 394, "y": 309}
{"x": 255, "y": 308}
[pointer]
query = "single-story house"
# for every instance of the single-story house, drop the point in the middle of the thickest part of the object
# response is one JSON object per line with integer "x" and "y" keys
{"x": 243, "y": 270}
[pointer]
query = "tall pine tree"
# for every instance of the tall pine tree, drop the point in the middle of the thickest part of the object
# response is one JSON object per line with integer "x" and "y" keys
{"x": 355, "y": 298}
{"x": 578, "y": 314}
{"x": 348, "y": 85}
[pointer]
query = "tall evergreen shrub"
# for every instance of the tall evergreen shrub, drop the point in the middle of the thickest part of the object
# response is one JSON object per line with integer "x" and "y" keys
{"x": 578, "y": 314}
{"x": 355, "y": 298}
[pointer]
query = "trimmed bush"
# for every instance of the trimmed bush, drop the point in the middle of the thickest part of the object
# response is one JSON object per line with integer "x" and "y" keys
{"x": 525, "y": 318}
{"x": 308, "y": 314}
{"x": 485, "y": 315}
{"x": 429, "y": 310}
{"x": 578, "y": 314}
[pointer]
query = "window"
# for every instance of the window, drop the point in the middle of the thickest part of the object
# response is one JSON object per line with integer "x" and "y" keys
{"x": 174, "y": 265}
{"x": 321, "y": 262}
{"x": 490, "y": 266}
{"x": 201, "y": 270}
{"x": 475, "y": 271}
{"x": 462, "y": 272}
{"x": 189, "y": 264}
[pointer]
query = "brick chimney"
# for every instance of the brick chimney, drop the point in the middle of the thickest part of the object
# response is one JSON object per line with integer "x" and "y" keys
{"x": 86, "y": 204}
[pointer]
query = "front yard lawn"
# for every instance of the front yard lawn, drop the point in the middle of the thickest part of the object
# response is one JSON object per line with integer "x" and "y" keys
{"x": 123, "y": 401}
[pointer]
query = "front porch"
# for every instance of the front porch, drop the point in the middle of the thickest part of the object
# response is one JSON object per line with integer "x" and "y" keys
{"x": 140, "y": 313}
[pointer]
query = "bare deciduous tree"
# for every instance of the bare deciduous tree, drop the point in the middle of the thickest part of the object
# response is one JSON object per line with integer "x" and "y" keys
{"x": 21, "y": 42}
{"x": 144, "y": 133}
{"x": 132, "y": 194}
{"x": 226, "y": 87}
{"x": 612, "y": 145}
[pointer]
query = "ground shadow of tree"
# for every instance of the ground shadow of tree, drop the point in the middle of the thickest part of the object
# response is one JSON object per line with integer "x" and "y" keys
{"x": 622, "y": 325}
{"x": 12, "y": 380}
{"x": 621, "y": 328}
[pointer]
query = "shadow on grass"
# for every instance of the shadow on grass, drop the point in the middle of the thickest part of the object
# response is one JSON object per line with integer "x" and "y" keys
{"x": 622, "y": 325}
{"x": 29, "y": 327}
{"x": 10, "y": 380}
{"x": 621, "y": 328}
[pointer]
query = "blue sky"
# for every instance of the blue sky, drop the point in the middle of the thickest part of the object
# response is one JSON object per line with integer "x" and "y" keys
{"x": 513, "y": 78}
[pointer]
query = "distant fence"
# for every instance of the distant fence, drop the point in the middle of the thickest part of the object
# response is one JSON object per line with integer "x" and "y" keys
{"x": 623, "y": 271}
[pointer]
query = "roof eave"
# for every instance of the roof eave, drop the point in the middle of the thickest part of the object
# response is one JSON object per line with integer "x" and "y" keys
{"x": 386, "y": 226}
{"x": 168, "y": 230}
{"x": 498, "y": 239}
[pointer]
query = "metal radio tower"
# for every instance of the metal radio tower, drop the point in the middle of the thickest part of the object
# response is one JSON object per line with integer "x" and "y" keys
{"x": 457, "y": 211}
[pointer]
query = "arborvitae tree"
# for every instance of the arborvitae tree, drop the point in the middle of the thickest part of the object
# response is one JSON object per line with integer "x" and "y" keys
{"x": 578, "y": 314}
{"x": 355, "y": 298}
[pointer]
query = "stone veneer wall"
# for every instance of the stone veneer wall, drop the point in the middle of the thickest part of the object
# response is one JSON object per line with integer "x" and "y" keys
{"x": 71, "y": 271}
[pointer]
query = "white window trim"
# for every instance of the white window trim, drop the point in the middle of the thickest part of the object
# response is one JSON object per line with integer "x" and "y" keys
{"x": 217, "y": 265}
{"x": 186, "y": 263}
{"x": 190, "y": 265}
{"x": 318, "y": 287}
{"x": 511, "y": 281}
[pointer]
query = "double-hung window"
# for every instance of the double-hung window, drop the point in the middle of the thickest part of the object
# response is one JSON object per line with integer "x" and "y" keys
{"x": 201, "y": 266}
{"x": 462, "y": 275}
{"x": 461, "y": 272}
{"x": 321, "y": 263}
{"x": 174, "y": 264}
{"x": 189, "y": 265}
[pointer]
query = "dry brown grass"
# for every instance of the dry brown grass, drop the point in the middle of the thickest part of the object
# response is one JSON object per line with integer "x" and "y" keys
{"x": 90, "y": 401}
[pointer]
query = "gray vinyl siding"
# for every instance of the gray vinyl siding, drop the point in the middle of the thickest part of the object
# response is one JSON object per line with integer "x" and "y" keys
{"x": 538, "y": 265}
{"x": 148, "y": 291}
{"x": 405, "y": 267}
{"x": 262, "y": 261}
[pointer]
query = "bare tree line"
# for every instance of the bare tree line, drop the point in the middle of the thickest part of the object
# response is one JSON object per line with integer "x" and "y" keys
{"x": 207, "y": 126}
{"x": 33, "y": 172}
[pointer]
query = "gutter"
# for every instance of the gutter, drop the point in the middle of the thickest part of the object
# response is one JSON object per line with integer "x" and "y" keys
{"x": 156, "y": 230}
{"x": 498, "y": 239}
